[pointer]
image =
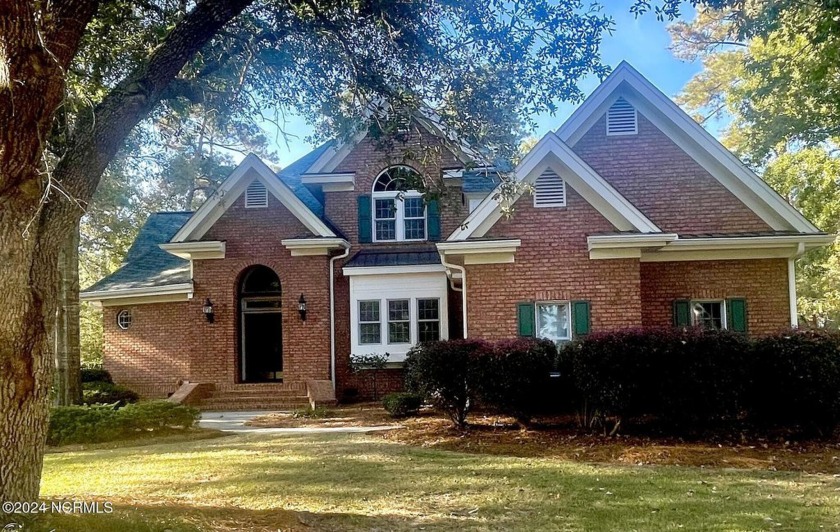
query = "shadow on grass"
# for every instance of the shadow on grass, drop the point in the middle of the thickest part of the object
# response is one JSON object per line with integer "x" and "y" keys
{"x": 344, "y": 482}
{"x": 183, "y": 518}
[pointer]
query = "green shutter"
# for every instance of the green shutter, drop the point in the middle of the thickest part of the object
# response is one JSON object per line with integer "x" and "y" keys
{"x": 365, "y": 231}
{"x": 682, "y": 313}
{"x": 526, "y": 317}
{"x": 736, "y": 310}
{"x": 433, "y": 220}
{"x": 580, "y": 318}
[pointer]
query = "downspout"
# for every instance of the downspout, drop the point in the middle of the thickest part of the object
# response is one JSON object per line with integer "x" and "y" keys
{"x": 794, "y": 311}
{"x": 332, "y": 311}
{"x": 463, "y": 288}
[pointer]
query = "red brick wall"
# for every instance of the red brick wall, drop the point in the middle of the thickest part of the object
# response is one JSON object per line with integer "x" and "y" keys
{"x": 763, "y": 283}
{"x": 552, "y": 264}
{"x": 664, "y": 182}
{"x": 153, "y": 354}
{"x": 368, "y": 161}
{"x": 253, "y": 237}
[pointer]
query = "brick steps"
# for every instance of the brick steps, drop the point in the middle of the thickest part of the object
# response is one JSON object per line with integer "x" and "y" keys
{"x": 258, "y": 396}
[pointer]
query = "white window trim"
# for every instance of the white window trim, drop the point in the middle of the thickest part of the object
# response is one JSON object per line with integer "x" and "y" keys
{"x": 399, "y": 215}
{"x": 724, "y": 315}
{"x": 567, "y": 304}
{"x": 418, "y": 321}
{"x": 382, "y": 288}
{"x": 411, "y": 320}
{"x": 359, "y": 321}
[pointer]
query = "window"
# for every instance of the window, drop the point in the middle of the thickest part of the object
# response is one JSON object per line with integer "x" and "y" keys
{"x": 428, "y": 320}
{"x": 398, "y": 213}
{"x": 370, "y": 329}
{"x": 124, "y": 319}
{"x": 709, "y": 314}
{"x": 622, "y": 118}
{"x": 550, "y": 190}
{"x": 256, "y": 195}
{"x": 399, "y": 322}
{"x": 553, "y": 321}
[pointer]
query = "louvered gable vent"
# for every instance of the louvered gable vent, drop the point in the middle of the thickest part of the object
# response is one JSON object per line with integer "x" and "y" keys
{"x": 550, "y": 190}
{"x": 256, "y": 196}
{"x": 622, "y": 118}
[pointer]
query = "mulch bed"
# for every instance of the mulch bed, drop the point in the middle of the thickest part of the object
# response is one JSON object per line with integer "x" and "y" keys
{"x": 561, "y": 438}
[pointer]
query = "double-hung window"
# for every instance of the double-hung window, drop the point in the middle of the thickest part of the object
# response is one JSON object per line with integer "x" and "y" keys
{"x": 709, "y": 314}
{"x": 370, "y": 327}
{"x": 428, "y": 320}
{"x": 399, "y": 321}
{"x": 398, "y": 214}
{"x": 552, "y": 320}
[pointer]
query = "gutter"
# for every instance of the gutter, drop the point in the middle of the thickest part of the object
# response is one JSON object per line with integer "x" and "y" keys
{"x": 344, "y": 255}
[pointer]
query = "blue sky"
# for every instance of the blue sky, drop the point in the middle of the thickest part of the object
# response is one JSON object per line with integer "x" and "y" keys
{"x": 642, "y": 42}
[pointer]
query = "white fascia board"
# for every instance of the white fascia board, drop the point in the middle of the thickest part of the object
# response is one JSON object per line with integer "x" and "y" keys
{"x": 230, "y": 190}
{"x": 174, "y": 289}
{"x": 394, "y": 270}
{"x": 809, "y": 241}
{"x": 640, "y": 240}
{"x": 209, "y": 249}
{"x": 729, "y": 170}
{"x": 325, "y": 178}
{"x": 313, "y": 246}
{"x": 552, "y": 152}
{"x": 479, "y": 246}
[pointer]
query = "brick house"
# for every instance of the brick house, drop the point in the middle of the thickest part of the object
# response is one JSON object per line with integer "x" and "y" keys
{"x": 638, "y": 217}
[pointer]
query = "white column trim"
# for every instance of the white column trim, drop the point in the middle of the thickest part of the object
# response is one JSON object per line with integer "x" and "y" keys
{"x": 794, "y": 313}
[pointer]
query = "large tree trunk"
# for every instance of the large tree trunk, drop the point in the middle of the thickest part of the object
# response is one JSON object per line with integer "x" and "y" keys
{"x": 67, "y": 334}
{"x": 36, "y": 48}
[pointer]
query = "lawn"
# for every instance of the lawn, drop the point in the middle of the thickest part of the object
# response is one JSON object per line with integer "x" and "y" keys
{"x": 364, "y": 482}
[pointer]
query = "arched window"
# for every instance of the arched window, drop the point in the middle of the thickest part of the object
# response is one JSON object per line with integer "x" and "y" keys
{"x": 260, "y": 280}
{"x": 398, "y": 213}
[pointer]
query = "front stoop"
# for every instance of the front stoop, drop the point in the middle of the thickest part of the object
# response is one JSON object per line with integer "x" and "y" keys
{"x": 257, "y": 396}
{"x": 320, "y": 393}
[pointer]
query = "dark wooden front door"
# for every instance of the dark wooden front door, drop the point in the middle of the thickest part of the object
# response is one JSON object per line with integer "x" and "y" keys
{"x": 262, "y": 346}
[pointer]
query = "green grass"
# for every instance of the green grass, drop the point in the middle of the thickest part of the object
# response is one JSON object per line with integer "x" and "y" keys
{"x": 347, "y": 482}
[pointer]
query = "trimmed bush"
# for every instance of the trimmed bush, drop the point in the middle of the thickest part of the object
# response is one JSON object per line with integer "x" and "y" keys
{"x": 402, "y": 404}
{"x": 100, "y": 392}
{"x": 683, "y": 377}
{"x": 514, "y": 374}
{"x": 92, "y": 424}
{"x": 92, "y": 374}
{"x": 444, "y": 373}
{"x": 796, "y": 381}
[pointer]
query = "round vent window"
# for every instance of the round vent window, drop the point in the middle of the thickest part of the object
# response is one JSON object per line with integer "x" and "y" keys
{"x": 124, "y": 319}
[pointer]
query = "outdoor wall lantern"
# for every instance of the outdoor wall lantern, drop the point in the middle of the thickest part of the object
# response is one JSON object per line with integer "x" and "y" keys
{"x": 208, "y": 311}
{"x": 302, "y": 307}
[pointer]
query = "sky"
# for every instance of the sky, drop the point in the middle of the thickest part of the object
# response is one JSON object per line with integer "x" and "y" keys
{"x": 643, "y": 42}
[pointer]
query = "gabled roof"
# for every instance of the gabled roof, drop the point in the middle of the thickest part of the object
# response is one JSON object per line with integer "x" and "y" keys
{"x": 289, "y": 191}
{"x": 551, "y": 152}
{"x": 145, "y": 264}
{"x": 691, "y": 137}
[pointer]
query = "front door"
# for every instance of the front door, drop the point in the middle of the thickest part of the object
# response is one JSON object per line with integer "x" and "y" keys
{"x": 262, "y": 346}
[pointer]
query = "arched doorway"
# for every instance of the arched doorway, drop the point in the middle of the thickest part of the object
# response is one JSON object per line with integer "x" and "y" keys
{"x": 261, "y": 326}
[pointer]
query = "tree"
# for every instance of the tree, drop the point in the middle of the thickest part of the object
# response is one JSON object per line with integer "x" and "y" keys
{"x": 65, "y": 116}
{"x": 770, "y": 79}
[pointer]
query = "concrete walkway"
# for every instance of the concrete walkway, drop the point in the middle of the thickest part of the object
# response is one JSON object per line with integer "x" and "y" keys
{"x": 235, "y": 422}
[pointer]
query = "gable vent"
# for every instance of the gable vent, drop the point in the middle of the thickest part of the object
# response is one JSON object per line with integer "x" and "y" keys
{"x": 550, "y": 190}
{"x": 256, "y": 196}
{"x": 622, "y": 118}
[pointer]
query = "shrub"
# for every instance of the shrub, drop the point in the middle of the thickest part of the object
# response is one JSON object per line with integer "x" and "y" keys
{"x": 101, "y": 392}
{"x": 92, "y": 424}
{"x": 796, "y": 381}
{"x": 319, "y": 412}
{"x": 402, "y": 404}
{"x": 443, "y": 373}
{"x": 369, "y": 365}
{"x": 683, "y": 377}
{"x": 83, "y": 424}
{"x": 95, "y": 374}
{"x": 156, "y": 415}
{"x": 513, "y": 375}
